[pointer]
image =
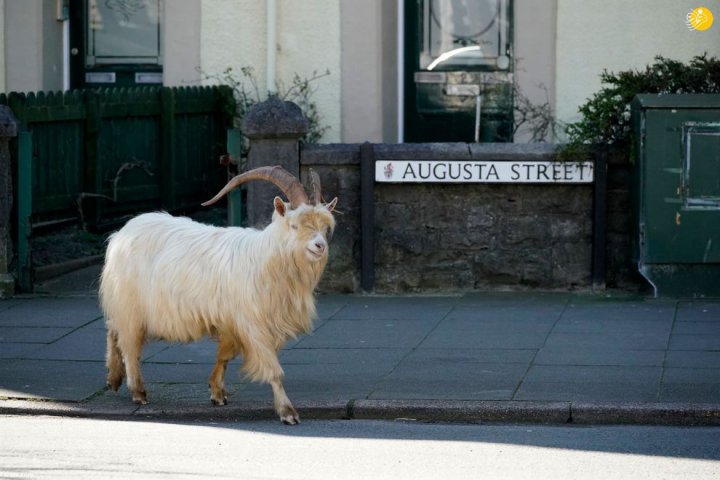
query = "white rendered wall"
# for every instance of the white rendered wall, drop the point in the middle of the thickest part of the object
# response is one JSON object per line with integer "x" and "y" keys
{"x": 233, "y": 34}
{"x": 617, "y": 35}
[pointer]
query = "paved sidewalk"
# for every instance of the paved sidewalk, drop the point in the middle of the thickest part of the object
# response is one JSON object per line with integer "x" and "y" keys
{"x": 480, "y": 357}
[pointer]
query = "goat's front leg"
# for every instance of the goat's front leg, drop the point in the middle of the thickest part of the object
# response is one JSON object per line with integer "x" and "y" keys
{"x": 262, "y": 364}
{"x": 283, "y": 406}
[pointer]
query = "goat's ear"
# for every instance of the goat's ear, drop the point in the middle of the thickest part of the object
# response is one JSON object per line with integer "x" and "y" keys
{"x": 331, "y": 206}
{"x": 280, "y": 206}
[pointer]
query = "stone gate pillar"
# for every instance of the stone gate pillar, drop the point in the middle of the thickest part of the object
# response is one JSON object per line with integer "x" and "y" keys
{"x": 8, "y": 130}
{"x": 274, "y": 128}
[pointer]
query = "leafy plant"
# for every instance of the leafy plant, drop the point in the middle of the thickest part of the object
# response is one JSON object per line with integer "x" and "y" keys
{"x": 301, "y": 91}
{"x": 606, "y": 115}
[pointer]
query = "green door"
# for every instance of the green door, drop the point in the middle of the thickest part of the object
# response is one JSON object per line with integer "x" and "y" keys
{"x": 115, "y": 43}
{"x": 458, "y": 71}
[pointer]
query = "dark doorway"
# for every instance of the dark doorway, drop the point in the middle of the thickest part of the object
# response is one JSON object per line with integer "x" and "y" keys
{"x": 115, "y": 43}
{"x": 458, "y": 71}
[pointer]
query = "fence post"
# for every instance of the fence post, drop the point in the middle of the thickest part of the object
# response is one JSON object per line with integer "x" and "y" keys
{"x": 24, "y": 211}
{"x": 167, "y": 173}
{"x": 367, "y": 217}
{"x": 274, "y": 128}
{"x": 234, "y": 210}
{"x": 8, "y": 130}
{"x": 92, "y": 171}
{"x": 599, "y": 231}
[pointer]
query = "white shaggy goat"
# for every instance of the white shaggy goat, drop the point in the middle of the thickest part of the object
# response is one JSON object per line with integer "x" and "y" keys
{"x": 174, "y": 279}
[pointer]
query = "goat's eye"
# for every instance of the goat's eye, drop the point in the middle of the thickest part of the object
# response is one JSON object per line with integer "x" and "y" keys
{"x": 294, "y": 226}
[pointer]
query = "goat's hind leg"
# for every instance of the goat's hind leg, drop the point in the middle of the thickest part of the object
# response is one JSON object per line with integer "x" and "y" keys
{"x": 226, "y": 352}
{"x": 131, "y": 345}
{"x": 114, "y": 362}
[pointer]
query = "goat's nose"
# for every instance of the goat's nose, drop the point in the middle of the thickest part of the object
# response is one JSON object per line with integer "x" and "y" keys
{"x": 320, "y": 246}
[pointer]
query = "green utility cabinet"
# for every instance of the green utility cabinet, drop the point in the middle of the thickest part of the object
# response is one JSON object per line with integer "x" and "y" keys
{"x": 676, "y": 194}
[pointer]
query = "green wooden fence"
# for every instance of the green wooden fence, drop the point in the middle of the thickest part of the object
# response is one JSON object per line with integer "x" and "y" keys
{"x": 98, "y": 155}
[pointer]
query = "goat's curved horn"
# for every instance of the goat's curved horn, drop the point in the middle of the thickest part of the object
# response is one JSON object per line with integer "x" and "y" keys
{"x": 317, "y": 192}
{"x": 281, "y": 178}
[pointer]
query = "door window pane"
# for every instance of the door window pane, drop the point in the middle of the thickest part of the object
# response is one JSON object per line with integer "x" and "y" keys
{"x": 462, "y": 34}
{"x": 123, "y": 31}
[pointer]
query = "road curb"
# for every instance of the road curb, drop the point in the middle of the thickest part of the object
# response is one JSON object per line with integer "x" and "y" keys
{"x": 464, "y": 411}
{"x": 445, "y": 411}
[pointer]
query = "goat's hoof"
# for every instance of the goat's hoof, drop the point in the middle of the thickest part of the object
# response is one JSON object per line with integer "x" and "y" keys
{"x": 219, "y": 403}
{"x": 289, "y": 416}
{"x": 140, "y": 398}
{"x": 114, "y": 382}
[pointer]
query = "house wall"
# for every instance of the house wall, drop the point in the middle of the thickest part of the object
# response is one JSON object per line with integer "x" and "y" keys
{"x": 233, "y": 34}
{"x": 617, "y": 35}
{"x": 23, "y": 45}
{"x": 32, "y": 46}
{"x": 2, "y": 47}
{"x": 534, "y": 46}
{"x": 361, "y": 61}
{"x": 182, "y": 42}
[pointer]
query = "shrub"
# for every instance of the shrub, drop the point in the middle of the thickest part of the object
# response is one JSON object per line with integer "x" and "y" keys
{"x": 606, "y": 115}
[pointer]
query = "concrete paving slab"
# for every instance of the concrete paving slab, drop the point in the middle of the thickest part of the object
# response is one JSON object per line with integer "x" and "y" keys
{"x": 587, "y": 383}
{"x": 445, "y": 336}
{"x": 51, "y": 312}
{"x": 53, "y": 380}
{"x": 309, "y": 382}
{"x": 490, "y": 323}
{"x": 17, "y": 350}
{"x": 594, "y": 373}
{"x": 690, "y": 392}
{"x": 6, "y": 303}
{"x": 329, "y": 304}
{"x": 390, "y": 309}
{"x": 185, "y": 372}
{"x": 470, "y": 355}
{"x": 448, "y": 380}
{"x": 695, "y": 342}
{"x": 202, "y": 351}
{"x": 587, "y": 392}
{"x": 689, "y": 358}
{"x": 614, "y": 310}
{"x": 697, "y": 328}
{"x": 353, "y": 358}
{"x": 84, "y": 344}
{"x": 537, "y": 316}
{"x": 501, "y": 299}
{"x": 579, "y": 355}
{"x": 621, "y": 341}
{"x": 699, "y": 310}
{"x": 587, "y": 325}
{"x": 40, "y": 335}
{"x": 375, "y": 333}
{"x": 691, "y": 375}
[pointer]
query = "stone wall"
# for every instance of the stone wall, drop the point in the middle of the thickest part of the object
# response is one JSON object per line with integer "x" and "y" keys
{"x": 444, "y": 237}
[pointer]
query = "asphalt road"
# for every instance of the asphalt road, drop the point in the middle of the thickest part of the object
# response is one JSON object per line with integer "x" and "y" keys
{"x": 58, "y": 447}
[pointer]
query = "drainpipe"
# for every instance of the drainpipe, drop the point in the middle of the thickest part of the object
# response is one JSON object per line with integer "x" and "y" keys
{"x": 62, "y": 14}
{"x": 400, "y": 71}
{"x": 271, "y": 69}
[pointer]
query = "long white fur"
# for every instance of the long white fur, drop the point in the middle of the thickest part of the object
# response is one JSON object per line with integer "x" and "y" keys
{"x": 178, "y": 280}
